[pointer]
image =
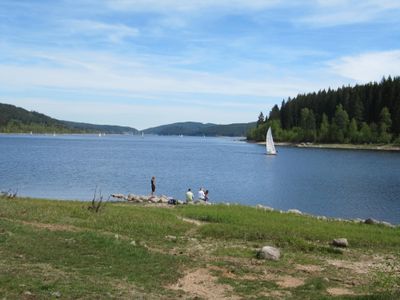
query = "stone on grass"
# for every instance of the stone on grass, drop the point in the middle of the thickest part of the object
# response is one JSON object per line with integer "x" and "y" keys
{"x": 266, "y": 208}
{"x": 371, "y": 221}
{"x": 171, "y": 238}
{"x": 295, "y": 211}
{"x": 387, "y": 224}
{"x": 342, "y": 242}
{"x": 56, "y": 294}
{"x": 269, "y": 252}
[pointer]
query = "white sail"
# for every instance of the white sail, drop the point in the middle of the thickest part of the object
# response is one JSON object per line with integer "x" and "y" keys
{"x": 269, "y": 142}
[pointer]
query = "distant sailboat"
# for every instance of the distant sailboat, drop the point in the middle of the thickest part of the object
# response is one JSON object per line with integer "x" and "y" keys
{"x": 269, "y": 143}
{"x": 142, "y": 134}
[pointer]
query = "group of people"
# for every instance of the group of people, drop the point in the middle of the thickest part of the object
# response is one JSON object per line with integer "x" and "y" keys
{"x": 202, "y": 195}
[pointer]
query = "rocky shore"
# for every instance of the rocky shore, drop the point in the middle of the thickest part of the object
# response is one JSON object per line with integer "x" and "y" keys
{"x": 132, "y": 198}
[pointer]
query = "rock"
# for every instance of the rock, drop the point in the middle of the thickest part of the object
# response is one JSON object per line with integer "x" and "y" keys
{"x": 163, "y": 200}
{"x": 56, "y": 294}
{"x": 342, "y": 242}
{"x": 387, "y": 224}
{"x": 295, "y": 211}
{"x": 133, "y": 243}
{"x": 357, "y": 220}
{"x": 171, "y": 238}
{"x": 371, "y": 221}
{"x": 266, "y": 208}
{"x": 118, "y": 196}
{"x": 28, "y": 293}
{"x": 269, "y": 252}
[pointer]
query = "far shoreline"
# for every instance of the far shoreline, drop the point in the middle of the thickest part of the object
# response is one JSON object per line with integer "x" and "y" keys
{"x": 371, "y": 147}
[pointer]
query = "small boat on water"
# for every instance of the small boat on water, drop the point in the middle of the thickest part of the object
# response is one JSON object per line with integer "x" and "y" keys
{"x": 269, "y": 143}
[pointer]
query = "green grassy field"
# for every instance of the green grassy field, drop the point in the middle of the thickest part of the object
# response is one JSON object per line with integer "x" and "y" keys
{"x": 59, "y": 249}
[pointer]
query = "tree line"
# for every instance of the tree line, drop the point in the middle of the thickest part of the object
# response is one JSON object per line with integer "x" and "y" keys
{"x": 361, "y": 114}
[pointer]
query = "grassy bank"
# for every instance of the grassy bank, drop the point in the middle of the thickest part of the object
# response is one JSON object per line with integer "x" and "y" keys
{"x": 61, "y": 249}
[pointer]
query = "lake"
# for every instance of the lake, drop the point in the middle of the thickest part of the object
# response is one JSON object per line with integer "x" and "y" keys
{"x": 334, "y": 183}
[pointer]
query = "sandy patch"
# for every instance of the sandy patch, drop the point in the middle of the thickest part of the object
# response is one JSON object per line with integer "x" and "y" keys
{"x": 339, "y": 291}
{"x": 289, "y": 282}
{"x": 200, "y": 283}
{"x": 309, "y": 268}
{"x": 192, "y": 221}
{"x": 53, "y": 227}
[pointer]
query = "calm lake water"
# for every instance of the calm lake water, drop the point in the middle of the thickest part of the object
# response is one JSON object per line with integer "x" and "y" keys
{"x": 337, "y": 183}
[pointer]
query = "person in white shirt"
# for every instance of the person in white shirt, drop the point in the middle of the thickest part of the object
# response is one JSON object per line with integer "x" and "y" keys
{"x": 201, "y": 195}
{"x": 189, "y": 196}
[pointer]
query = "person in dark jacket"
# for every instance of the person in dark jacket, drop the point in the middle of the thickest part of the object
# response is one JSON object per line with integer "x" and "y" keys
{"x": 153, "y": 185}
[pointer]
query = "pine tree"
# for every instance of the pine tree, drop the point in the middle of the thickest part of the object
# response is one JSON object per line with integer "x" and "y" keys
{"x": 384, "y": 126}
{"x": 260, "y": 120}
{"x": 353, "y": 131}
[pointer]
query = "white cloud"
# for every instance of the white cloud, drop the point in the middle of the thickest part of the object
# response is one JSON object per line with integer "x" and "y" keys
{"x": 188, "y": 5}
{"x": 113, "y": 32}
{"x": 326, "y": 13}
{"x": 140, "y": 75}
{"x": 367, "y": 67}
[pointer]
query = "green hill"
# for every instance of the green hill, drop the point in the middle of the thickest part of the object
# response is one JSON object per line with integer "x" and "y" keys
{"x": 15, "y": 119}
{"x": 111, "y": 129}
{"x": 199, "y": 129}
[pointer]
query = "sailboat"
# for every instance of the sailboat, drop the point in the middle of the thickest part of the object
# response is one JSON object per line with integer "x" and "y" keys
{"x": 269, "y": 143}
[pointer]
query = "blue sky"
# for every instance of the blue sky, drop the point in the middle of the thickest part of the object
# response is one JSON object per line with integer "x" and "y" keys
{"x": 146, "y": 63}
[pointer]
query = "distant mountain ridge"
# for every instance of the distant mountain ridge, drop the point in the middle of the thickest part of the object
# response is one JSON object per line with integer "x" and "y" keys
{"x": 200, "y": 129}
{"x": 15, "y": 119}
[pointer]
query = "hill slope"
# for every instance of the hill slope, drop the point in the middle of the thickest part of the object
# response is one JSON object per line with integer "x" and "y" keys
{"x": 14, "y": 119}
{"x": 128, "y": 251}
{"x": 198, "y": 129}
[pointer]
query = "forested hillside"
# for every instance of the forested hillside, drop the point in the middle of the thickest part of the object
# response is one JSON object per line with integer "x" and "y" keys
{"x": 200, "y": 129}
{"x": 18, "y": 120}
{"x": 367, "y": 113}
{"x": 15, "y": 119}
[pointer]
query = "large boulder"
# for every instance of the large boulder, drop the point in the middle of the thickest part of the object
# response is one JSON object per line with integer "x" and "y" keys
{"x": 371, "y": 221}
{"x": 269, "y": 252}
{"x": 295, "y": 211}
{"x": 342, "y": 242}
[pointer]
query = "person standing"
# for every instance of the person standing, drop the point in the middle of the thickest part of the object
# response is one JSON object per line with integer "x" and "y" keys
{"x": 189, "y": 196}
{"x": 153, "y": 185}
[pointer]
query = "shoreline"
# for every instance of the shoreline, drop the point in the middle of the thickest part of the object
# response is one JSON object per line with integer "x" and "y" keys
{"x": 161, "y": 201}
{"x": 371, "y": 147}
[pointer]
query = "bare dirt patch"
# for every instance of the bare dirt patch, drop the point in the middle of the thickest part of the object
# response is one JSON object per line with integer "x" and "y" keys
{"x": 200, "y": 283}
{"x": 309, "y": 268}
{"x": 338, "y": 291}
{"x": 192, "y": 221}
{"x": 53, "y": 227}
{"x": 289, "y": 282}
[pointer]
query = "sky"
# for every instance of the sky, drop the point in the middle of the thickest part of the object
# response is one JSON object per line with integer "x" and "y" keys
{"x": 144, "y": 63}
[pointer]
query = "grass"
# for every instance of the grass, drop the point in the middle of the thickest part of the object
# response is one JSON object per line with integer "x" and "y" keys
{"x": 287, "y": 230}
{"x": 52, "y": 248}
